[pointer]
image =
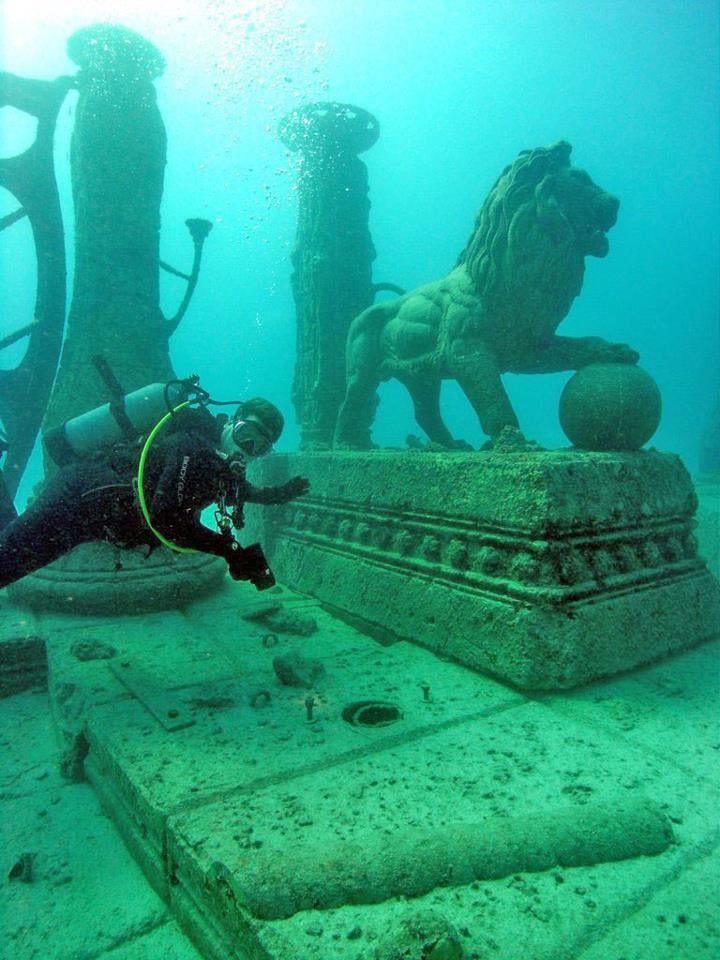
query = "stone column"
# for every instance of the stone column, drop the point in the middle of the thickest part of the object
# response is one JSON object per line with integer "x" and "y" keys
{"x": 332, "y": 260}
{"x": 118, "y": 158}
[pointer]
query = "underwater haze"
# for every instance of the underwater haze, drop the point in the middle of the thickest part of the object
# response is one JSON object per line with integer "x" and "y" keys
{"x": 473, "y": 712}
{"x": 459, "y": 88}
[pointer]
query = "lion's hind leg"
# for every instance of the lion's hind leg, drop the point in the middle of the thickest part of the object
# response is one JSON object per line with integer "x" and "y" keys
{"x": 425, "y": 394}
{"x": 357, "y": 411}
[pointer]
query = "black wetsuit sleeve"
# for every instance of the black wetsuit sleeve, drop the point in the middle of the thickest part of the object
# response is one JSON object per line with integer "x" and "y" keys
{"x": 194, "y": 534}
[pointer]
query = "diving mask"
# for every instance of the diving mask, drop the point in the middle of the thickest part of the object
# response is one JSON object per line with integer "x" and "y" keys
{"x": 250, "y": 437}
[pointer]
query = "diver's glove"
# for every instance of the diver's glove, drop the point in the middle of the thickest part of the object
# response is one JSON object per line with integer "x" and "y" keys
{"x": 250, "y": 563}
{"x": 295, "y": 487}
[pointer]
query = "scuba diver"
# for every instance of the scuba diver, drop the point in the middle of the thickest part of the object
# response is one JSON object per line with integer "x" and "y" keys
{"x": 153, "y": 490}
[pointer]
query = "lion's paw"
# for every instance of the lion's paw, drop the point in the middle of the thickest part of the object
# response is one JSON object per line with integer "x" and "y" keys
{"x": 622, "y": 353}
{"x": 600, "y": 351}
{"x": 433, "y": 446}
{"x": 460, "y": 445}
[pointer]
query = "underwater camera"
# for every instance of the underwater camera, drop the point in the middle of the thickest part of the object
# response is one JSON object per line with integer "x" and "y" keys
{"x": 254, "y": 568}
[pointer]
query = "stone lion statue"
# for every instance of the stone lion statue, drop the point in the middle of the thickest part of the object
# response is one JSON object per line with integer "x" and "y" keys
{"x": 497, "y": 311}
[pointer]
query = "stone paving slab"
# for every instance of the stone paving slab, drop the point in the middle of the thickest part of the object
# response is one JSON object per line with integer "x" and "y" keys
{"x": 163, "y": 644}
{"x": 166, "y": 942}
{"x": 681, "y": 920}
{"x": 231, "y": 619}
{"x": 85, "y": 895}
{"x": 235, "y": 745}
{"x": 504, "y": 765}
{"x": 156, "y": 641}
{"x": 177, "y": 649}
{"x": 196, "y": 798}
{"x": 27, "y": 747}
{"x": 670, "y": 710}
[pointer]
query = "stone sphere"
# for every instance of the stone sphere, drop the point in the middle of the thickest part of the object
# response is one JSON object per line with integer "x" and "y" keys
{"x": 610, "y": 406}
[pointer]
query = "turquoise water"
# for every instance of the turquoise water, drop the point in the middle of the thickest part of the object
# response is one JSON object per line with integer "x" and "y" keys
{"x": 254, "y": 780}
{"x": 459, "y": 88}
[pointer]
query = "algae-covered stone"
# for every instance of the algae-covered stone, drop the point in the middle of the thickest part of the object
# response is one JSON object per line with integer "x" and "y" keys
{"x": 425, "y": 935}
{"x": 547, "y": 568}
{"x": 610, "y": 406}
{"x": 110, "y": 49}
{"x": 333, "y": 255}
{"x": 294, "y": 670}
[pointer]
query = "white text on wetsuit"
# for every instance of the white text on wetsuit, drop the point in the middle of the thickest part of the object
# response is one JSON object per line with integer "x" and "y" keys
{"x": 181, "y": 479}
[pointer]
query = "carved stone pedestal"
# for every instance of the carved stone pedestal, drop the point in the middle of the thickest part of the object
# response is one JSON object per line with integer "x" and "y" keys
{"x": 547, "y": 569}
{"x": 97, "y": 578}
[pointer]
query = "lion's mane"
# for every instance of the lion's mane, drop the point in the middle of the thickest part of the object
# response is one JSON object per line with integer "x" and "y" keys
{"x": 521, "y": 255}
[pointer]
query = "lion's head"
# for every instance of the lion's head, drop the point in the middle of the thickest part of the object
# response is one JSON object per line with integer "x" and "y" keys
{"x": 542, "y": 217}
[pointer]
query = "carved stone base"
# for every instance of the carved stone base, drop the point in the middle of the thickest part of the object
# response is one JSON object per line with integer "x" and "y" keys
{"x": 97, "y": 578}
{"x": 708, "y": 519}
{"x": 547, "y": 569}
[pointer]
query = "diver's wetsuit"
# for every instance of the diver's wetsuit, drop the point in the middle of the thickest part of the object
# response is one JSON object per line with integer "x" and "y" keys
{"x": 94, "y": 499}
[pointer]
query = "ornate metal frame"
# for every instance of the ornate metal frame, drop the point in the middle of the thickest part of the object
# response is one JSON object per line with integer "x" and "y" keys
{"x": 30, "y": 177}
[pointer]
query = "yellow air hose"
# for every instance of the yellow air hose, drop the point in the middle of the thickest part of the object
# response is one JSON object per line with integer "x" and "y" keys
{"x": 140, "y": 476}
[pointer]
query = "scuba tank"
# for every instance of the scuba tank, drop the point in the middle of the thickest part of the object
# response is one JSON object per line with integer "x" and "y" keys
{"x": 125, "y": 417}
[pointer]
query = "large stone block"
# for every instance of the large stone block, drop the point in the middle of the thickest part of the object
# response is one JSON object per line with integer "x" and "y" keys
{"x": 547, "y": 569}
